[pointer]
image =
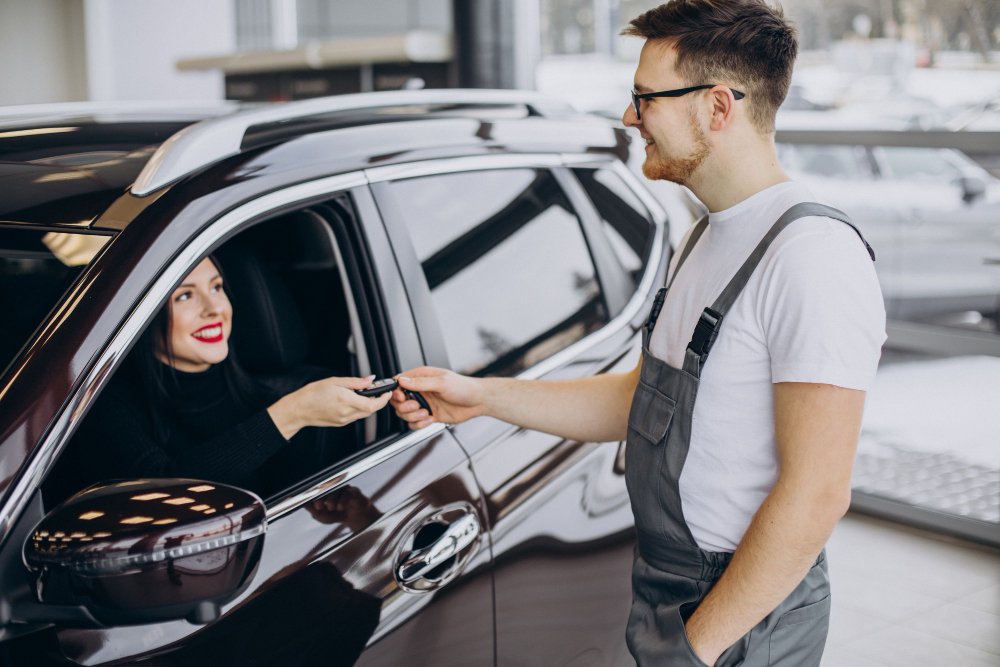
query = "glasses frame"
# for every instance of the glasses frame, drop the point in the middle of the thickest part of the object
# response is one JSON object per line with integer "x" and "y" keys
{"x": 677, "y": 92}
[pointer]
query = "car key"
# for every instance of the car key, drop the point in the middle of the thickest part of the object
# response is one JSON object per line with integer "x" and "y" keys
{"x": 416, "y": 396}
{"x": 378, "y": 387}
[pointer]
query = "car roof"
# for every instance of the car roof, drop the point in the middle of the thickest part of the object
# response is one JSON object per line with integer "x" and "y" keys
{"x": 64, "y": 165}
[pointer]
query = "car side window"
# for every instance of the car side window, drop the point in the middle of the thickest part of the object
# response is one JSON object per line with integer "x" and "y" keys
{"x": 36, "y": 270}
{"x": 507, "y": 264}
{"x": 626, "y": 222}
{"x": 827, "y": 161}
{"x": 287, "y": 324}
{"x": 919, "y": 164}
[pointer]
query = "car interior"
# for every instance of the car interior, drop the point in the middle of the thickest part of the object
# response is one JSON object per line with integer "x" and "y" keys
{"x": 293, "y": 285}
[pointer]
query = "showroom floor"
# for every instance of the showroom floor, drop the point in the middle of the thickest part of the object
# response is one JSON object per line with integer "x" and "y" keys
{"x": 911, "y": 598}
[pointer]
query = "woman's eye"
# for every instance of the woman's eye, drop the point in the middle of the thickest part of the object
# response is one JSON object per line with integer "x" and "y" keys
{"x": 217, "y": 288}
{"x": 183, "y": 296}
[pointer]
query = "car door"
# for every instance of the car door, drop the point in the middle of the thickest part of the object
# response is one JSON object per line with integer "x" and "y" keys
{"x": 504, "y": 261}
{"x": 379, "y": 558}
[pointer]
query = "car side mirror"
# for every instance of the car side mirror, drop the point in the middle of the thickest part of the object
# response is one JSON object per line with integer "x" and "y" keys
{"x": 972, "y": 188}
{"x": 148, "y": 550}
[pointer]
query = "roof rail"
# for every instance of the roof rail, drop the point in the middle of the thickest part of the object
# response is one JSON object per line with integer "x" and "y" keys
{"x": 155, "y": 109}
{"x": 209, "y": 141}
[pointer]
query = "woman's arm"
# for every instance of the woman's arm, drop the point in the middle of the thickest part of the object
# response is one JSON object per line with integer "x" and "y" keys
{"x": 327, "y": 402}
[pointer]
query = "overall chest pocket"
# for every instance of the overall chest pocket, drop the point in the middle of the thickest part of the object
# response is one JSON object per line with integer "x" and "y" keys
{"x": 650, "y": 416}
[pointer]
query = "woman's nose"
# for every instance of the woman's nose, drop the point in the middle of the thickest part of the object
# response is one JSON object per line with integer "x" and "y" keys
{"x": 211, "y": 304}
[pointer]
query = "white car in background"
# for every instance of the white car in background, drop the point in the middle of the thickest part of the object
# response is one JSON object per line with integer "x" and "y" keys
{"x": 932, "y": 215}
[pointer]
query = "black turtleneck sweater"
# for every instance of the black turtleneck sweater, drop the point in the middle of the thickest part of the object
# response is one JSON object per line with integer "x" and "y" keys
{"x": 212, "y": 436}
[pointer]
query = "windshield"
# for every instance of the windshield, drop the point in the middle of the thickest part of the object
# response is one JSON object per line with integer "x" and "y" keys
{"x": 36, "y": 270}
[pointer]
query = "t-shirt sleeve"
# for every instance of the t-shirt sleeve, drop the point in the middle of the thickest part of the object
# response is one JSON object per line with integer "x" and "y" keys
{"x": 821, "y": 308}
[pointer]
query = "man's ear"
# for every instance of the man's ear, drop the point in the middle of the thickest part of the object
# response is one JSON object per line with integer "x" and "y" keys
{"x": 723, "y": 108}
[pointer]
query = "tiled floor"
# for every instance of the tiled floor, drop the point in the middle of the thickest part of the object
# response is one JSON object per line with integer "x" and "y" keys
{"x": 911, "y": 598}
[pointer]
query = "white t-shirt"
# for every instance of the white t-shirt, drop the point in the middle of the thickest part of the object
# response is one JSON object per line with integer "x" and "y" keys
{"x": 811, "y": 312}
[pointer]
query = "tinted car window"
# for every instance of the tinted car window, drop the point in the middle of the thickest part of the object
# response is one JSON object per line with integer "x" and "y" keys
{"x": 627, "y": 223}
{"x": 828, "y": 161}
{"x": 918, "y": 163}
{"x": 36, "y": 268}
{"x": 507, "y": 264}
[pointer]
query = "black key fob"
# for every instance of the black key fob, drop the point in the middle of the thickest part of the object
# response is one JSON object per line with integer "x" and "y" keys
{"x": 416, "y": 396}
{"x": 378, "y": 388}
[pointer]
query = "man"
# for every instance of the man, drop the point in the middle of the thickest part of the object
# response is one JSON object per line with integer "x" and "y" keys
{"x": 742, "y": 418}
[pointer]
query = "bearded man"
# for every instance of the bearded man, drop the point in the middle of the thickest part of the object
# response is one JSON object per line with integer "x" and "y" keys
{"x": 742, "y": 417}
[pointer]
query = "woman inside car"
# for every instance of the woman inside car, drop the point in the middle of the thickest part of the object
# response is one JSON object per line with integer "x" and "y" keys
{"x": 183, "y": 407}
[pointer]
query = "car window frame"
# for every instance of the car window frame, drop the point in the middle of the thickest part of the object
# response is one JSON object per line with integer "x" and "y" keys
{"x": 94, "y": 379}
{"x": 406, "y": 330}
{"x": 400, "y": 230}
{"x": 611, "y": 275}
{"x": 631, "y": 280}
{"x": 381, "y": 178}
{"x": 6, "y": 367}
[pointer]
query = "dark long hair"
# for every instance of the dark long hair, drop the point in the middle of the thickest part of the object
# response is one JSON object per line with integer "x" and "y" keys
{"x": 159, "y": 382}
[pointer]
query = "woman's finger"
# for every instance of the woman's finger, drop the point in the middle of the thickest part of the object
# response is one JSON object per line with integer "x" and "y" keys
{"x": 352, "y": 383}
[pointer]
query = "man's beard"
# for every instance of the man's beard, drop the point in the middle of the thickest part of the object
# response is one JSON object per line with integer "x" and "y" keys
{"x": 679, "y": 169}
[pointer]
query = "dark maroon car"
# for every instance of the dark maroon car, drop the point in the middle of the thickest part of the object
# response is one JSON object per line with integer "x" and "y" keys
{"x": 495, "y": 233}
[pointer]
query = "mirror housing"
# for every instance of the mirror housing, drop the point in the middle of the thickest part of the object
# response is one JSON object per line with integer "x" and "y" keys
{"x": 145, "y": 551}
{"x": 972, "y": 188}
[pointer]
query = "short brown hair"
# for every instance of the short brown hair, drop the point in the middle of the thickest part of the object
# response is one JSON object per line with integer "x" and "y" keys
{"x": 745, "y": 43}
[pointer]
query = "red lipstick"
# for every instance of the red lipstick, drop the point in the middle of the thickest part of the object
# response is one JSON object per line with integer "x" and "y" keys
{"x": 206, "y": 339}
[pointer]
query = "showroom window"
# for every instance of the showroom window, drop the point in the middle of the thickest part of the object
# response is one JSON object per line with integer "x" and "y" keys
{"x": 927, "y": 451}
{"x": 507, "y": 264}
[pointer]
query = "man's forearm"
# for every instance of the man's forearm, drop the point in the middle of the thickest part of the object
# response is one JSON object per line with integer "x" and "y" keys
{"x": 592, "y": 409}
{"x": 780, "y": 545}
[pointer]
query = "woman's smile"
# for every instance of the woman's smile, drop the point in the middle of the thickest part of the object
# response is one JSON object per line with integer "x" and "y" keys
{"x": 210, "y": 333}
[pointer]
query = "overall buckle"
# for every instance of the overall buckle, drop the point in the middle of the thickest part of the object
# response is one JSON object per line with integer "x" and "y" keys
{"x": 705, "y": 332}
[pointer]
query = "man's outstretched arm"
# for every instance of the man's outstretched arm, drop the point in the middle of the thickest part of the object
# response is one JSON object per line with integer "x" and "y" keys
{"x": 816, "y": 428}
{"x": 591, "y": 409}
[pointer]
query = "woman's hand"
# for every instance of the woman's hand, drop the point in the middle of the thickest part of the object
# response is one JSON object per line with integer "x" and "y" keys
{"x": 327, "y": 402}
{"x": 453, "y": 398}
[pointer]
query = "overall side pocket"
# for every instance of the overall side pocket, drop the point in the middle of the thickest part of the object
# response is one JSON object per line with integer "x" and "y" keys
{"x": 650, "y": 416}
{"x": 799, "y": 636}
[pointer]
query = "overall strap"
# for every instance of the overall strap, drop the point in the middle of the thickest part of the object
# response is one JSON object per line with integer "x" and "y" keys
{"x": 699, "y": 229}
{"x": 661, "y": 294}
{"x": 707, "y": 328}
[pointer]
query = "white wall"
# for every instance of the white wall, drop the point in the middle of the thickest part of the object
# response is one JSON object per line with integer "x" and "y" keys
{"x": 109, "y": 50}
{"x": 42, "y": 51}
{"x": 132, "y": 46}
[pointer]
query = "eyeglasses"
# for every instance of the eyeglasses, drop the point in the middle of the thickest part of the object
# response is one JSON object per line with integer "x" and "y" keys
{"x": 637, "y": 97}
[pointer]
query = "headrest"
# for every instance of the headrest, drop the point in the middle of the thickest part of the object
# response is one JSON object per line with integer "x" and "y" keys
{"x": 269, "y": 335}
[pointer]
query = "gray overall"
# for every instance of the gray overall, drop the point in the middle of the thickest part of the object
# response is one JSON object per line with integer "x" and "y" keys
{"x": 671, "y": 574}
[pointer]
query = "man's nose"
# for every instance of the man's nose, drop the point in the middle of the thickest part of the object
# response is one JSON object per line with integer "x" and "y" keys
{"x": 629, "y": 119}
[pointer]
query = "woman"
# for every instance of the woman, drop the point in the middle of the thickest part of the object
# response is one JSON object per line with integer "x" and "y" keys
{"x": 183, "y": 407}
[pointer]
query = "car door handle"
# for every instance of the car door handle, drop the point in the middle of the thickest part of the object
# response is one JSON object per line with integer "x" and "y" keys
{"x": 456, "y": 537}
{"x": 991, "y": 261}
